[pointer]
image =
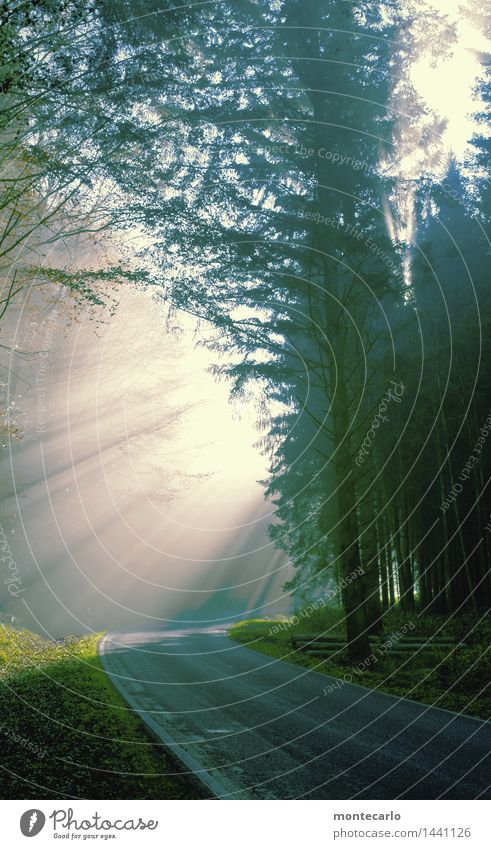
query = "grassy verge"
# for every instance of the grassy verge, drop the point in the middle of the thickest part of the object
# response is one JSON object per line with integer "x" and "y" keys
{"x": 456, "y": 680}
{"x": 65, "y": 730}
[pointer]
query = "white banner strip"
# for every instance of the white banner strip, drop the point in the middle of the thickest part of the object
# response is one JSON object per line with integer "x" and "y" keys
{"x": 199, "y": 823}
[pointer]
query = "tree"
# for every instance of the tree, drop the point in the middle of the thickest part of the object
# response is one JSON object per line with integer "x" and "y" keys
{"x": 284, "y": 248}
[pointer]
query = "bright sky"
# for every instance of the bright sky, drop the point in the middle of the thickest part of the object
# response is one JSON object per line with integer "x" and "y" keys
{"x": 447, "y": 88}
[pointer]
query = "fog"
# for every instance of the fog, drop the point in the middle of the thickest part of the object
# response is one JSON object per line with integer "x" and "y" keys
{"x": 131, "y": 498}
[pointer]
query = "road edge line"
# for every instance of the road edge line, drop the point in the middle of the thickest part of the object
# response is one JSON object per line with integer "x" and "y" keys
{"x": 211, "y": 783}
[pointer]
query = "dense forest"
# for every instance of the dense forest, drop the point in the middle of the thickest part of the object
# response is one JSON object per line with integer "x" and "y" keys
{"x": 289, "y": 188}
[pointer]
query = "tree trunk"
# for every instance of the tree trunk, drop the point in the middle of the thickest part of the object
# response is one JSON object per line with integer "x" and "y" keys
{"x": 370, "y": 562}
{"x": 354, "y": 590}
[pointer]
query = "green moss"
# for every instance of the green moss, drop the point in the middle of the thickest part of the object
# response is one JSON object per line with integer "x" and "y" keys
{"x": 66, "y": 731}
{"x": 456, "y": 680}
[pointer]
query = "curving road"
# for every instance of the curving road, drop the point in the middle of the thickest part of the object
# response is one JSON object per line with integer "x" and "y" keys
{"x": 254, "y": 727}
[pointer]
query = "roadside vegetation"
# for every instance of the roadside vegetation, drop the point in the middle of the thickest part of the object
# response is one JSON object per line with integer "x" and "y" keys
{"x": 457, "y": 679}
{"x": 66, "y": 732}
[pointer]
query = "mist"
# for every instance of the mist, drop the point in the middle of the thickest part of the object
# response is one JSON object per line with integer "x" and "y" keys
{"x": 131, "y": 498}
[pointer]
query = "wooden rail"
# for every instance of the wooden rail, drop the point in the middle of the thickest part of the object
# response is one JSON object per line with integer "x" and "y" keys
{"x": 387, "y": 645}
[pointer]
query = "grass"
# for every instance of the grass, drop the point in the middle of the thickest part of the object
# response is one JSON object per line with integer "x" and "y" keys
{"x": 66, "y": 732}
{"x": 457, "y": 680}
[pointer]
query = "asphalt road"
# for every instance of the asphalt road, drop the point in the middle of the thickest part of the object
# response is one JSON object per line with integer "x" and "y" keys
{"x": 253, "y": 727}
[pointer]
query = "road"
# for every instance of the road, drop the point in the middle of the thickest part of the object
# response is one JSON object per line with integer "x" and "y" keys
{"x": 253, "y": 727}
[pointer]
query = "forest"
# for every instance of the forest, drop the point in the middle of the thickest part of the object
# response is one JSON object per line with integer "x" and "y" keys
{"x": 273, "y": 171}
